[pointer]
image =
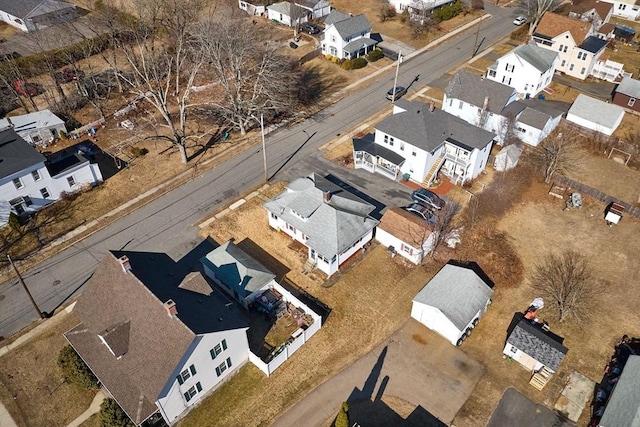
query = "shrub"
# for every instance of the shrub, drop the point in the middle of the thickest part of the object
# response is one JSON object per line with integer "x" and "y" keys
{"x": 448, "y": 11}
{"x": 335, "y": 60}
{"x": 359, "y": 62}
{"x": 329, "y": 57}
{"x": 404, "y": 16}
{"x": 74, "y": 369}
{"x": 375, "y": 55}
{"x": 137, "y": 151}
{"x": 69, "y": 195}
{"x": 112, "y": 415}
{"x": 347, "y": 64}
{"x": 342, "y": 420}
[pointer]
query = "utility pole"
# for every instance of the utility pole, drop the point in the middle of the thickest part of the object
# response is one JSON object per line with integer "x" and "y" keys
{"x": 475, "y": 44}
{"x": 24, "y": 285}
{"x": 395, "y": 81}
{"x": 264, "y": 149}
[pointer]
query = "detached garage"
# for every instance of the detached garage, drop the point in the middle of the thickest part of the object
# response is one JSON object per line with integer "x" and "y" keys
{"x": 452, "y": 303}
{"x": 596, "y": 115}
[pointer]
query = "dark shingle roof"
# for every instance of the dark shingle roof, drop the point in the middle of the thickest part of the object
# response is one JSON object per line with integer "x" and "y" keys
{"x": 474, "y": 89}
{"x": 623, "y": 407}
{"x": 593, "y": 44}
{"x": 540, "y": 58}
{"x": 22, "y": 8}
{"x": 629, "y": 87}
{"x": 335, "y": 16}
{"x": 540, "y": 345}
{"x": 368, "y": 144}
{"x": 427, "y": 129}
{"x": 353, "y": 25}
{"x": 16, "y": 154}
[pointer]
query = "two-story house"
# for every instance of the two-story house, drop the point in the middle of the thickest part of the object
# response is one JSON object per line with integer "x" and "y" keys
{"x": 574, "y": 40}
{"x": 534, "y": 119}
{"x": 37, "y": 128}
{"x": 527, "y": 68}
{"x": 595, "y": 11}
{"x": 627, "y": 9}
{"x": 29, "y": 181}
{"x": 332, "y": 223}
{"x": 347, "y": 36}
{"x": 420, "y": 141}
{"x": 156, "y": 335}
{"x": 627, "y": 94}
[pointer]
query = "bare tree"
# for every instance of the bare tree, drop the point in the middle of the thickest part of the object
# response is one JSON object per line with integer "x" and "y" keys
{"x": 558, "y": 152}
{"x": 507, "y": 129}
{"x": 566, "y": 280}
{"x": 536, "y": 8}
{"x": 442, "y": 226}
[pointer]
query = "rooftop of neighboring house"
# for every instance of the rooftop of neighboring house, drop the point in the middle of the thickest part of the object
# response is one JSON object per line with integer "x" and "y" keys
{"x": 623, "y": 407}
{"x": 535, "y": 112}
{"x": 22, "y": 8}
{"x": 335, "y": 16}
{"x": 458, "y": 292}
{"x": 234, "y": 267}
{"x": 405, "y": 226}
{"x": 15, "y": 153}
{"x": 331, "y": 217}
{"x": 542, "y": 345}
{"x": 349, "y": 25}
{"x": 475, "y": 89}
{"x": 35, "y": 120}
{"x": 629, "y": 87}
{"x": 428, "y": 128}
{"x": 541, "y": 59}
{"x": 596, "y": 111}
{"x": 288, "y": 9}
{"x": 593, "y": 44}
{"x": 308, "y": 3}
{"x": 552, "y": 25}
{"x": 606, "y": 28}
{"x": 127, "y": 335}
{"x": 581, "y": 6}
{"x": 511, "y": 151}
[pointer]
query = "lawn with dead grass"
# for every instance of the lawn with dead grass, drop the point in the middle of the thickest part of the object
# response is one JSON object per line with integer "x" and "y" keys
{"x": 369, "y": 302}
{"x": 32, "y": 386}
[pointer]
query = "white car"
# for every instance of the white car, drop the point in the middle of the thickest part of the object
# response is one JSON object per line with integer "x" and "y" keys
{"x": 519, "y": 20}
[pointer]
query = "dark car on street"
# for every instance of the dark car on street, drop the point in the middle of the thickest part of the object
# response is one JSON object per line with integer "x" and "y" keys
{"x": 310, "y": 28}
{"x": 427, "y": 198}
{"x": 423, "y": 212}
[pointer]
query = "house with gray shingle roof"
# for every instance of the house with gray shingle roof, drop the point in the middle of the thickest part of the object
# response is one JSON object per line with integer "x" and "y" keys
{"x": 287, "y": 13}
{"x": 421, "y": 141}
{"x": 237, "y": 273}
{"x": 347, "y": 36}
{"x": 532, "y": 120}
{"x": 595, "y": 115}
{"x": 527, "y": 68}
{"x": 627, "y": 94}
{"x": 453, "y": 301}
{"x": 332, "y": 223}
{"x": 623, "y": 406}
{"x": 533, "y": 346}
{"x": 317, "y": 8}
{"x": 31, "y": 15}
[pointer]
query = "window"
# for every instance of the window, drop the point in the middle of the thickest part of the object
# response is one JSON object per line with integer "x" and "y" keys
{"x": 406, "y": 249}
{"x": 221, "y": 368}
{"x": 219, "y": 348}
{"x": 413, "y": 153}
{"x": 631, "y": 102}
{"x": 565, "y": 49}
{"x": 571, "y": 67}
{"x": 27, "y": 201}
{"x": 401, "y": 146}
{"x": 582, "y": 70}
{"x": 492, "y": 73}
{"x": 460, "y": 105}
{"x": 36, "y": 175}
{"x": 44, "y": 193}
{"x": 274, "y": 216}
{"x": 186, "y": 374}
{"x": 18, "y": 183}
{"x": 71, "y": 181}
{"x": 391, "y": 141}
{"x": 193, "y": 391}
{"x": 560, "y": 49}
{"x": 582, "y": 55}
{"x": 36, "y": 138}
{"x": 450, "y": 102}
{"x": 622, "y": 6}
{"x": 513, "y": 349}
{"x": 562, "y": 64}
{"x": 386, "y": 139}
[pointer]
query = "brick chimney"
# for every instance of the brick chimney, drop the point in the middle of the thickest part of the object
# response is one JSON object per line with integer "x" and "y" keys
{"x": 172, "y": 309}
{"x": 432, "y": 106}
{"x": 124, "y": 262}
{"x": 326, "y": 194}
{"x": 486, "y": 103}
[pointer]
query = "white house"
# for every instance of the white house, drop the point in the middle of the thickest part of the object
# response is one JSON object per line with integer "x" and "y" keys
{"x": 254, "y": 7}
{"x": 331, "y": 222}
{"x": 287, "y": 13}
{"x": 627, "y": 9}
{"x": 165, "y": 339}
{"x": 479, "y": 101}
{"x": 29, "y": 181}
{"x": 316, "y": 9}
{"x": 418, "y": 9}
{"x": 532, "y": 120}
{"x": 623, "y": 406}
{"x": 534, "y": 347}
{"x": 38, "y": 128}
{"x": 347, "y": 36}
{"x": 597, "y": 12}
{"x": 574, "y": 40}
{"x": 453, "y": 302}
{"x": 30, "y": 15}
{"x": 596, "y": 115}
{"x": 507, "y": 158}
{"x": 527, "y": 68}
{"x": 405, "y": 234}
{"x": 420, "y": 141}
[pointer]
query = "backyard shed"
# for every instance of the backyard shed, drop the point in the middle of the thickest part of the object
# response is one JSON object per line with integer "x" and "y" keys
{"x": 596, "y": 115}
{"x": 507, "y": 158}
{"x": 453, "y": 301}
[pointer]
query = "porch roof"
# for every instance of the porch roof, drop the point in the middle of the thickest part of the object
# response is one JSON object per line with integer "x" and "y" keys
{"x": 358, "y": 44}
{"x": 367, "y": 144}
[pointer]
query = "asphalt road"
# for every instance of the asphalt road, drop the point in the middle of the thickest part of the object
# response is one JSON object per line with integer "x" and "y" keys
{"x": 167, "y": 224}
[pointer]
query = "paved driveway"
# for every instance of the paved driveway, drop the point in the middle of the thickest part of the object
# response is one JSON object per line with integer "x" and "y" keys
{"x": 515, "y": 409}
{"x": 414, "y": 365}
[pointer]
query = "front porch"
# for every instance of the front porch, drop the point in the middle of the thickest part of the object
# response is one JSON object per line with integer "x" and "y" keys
{"x": 359, "y": 47}
{"x": 374, "y": 158}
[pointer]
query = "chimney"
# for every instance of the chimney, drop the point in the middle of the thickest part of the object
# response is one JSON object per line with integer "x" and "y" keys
{"x": 432, "y": 106}
{"x": 326, "y": 195}
{"x": 124, "y": 262}
{"x": 486, "y": 103}
{"x": 9, "y": 121}
{"x": 171, "y": 308}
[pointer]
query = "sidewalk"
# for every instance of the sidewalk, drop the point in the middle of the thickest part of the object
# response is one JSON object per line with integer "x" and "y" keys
{"x": 5, "y": 417}
{"x": 94, "y": 408}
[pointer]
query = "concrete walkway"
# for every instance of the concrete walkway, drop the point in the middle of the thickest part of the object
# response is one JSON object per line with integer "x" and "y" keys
{"x": 5, "y": 418}
{"x": 94, "y": 408}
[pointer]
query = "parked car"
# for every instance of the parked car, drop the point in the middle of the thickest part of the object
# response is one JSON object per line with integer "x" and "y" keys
{"x": 519, "y": 20}
{"x": 423, "y": 212}
{"x": 24, "y": 88}
{"x": 400, "y": 92}
{"x": 427, "y": 198}
{"x": 310, "y": 28}
{"x": 68, "y": 75}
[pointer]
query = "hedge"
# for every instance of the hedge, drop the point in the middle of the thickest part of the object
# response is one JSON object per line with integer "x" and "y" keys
{"x": 359, "y": 62}
{"x": 375, "y": 55}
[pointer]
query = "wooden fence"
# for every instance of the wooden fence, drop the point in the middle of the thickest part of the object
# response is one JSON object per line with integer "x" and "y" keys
{"x": 596, "y": 194}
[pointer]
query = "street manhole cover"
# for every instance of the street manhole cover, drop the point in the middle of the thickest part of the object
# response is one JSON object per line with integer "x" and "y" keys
{"x": 56, "y": 282}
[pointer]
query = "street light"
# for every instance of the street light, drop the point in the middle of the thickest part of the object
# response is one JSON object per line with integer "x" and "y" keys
{"x": 395, "y": 81}
{"x": 264, "y": 149}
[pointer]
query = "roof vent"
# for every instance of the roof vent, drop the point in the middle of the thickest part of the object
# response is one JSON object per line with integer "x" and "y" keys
{"x": 326, "y": 195}
{"x": 172, "y": 309}
{"x": 124, "y": 262}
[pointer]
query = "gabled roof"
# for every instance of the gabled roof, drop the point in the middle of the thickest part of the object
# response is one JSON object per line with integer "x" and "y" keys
{"x": 127, "y": 310}
{"x": 552, "y": 25}
{"x": 458, "y": 292}
{"x": 335, "y": 16}
{"x": 288, "y": 9}
{"x": 309, "y": 3}
{"x": 474, "y": 89}
{"x": 512, "y": 152}
{"x": 367, "y": 143}
{"x": 595, "y": 111}
{"x": 540, "y": 58}
{"x": 629, "y": 87}
{"x": 405, "y": 226}
{"x": 36, "y": 120}
{"x": 352, "y": 25}
{"x": 333, "y": 226}
{"x": 550, "y": 108}
{"x": 606, "y": 28}
{"x": 22, "y": 8}
{"x": 537, "y": 343}
{"x": 16, "y": 154}
{"x": 593, "y": 44}
{"x": 602, "y": 8}
{"x": 623, "y": 407}
{"x": 237, "y": 269}
{"x": 428, "y": 130}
